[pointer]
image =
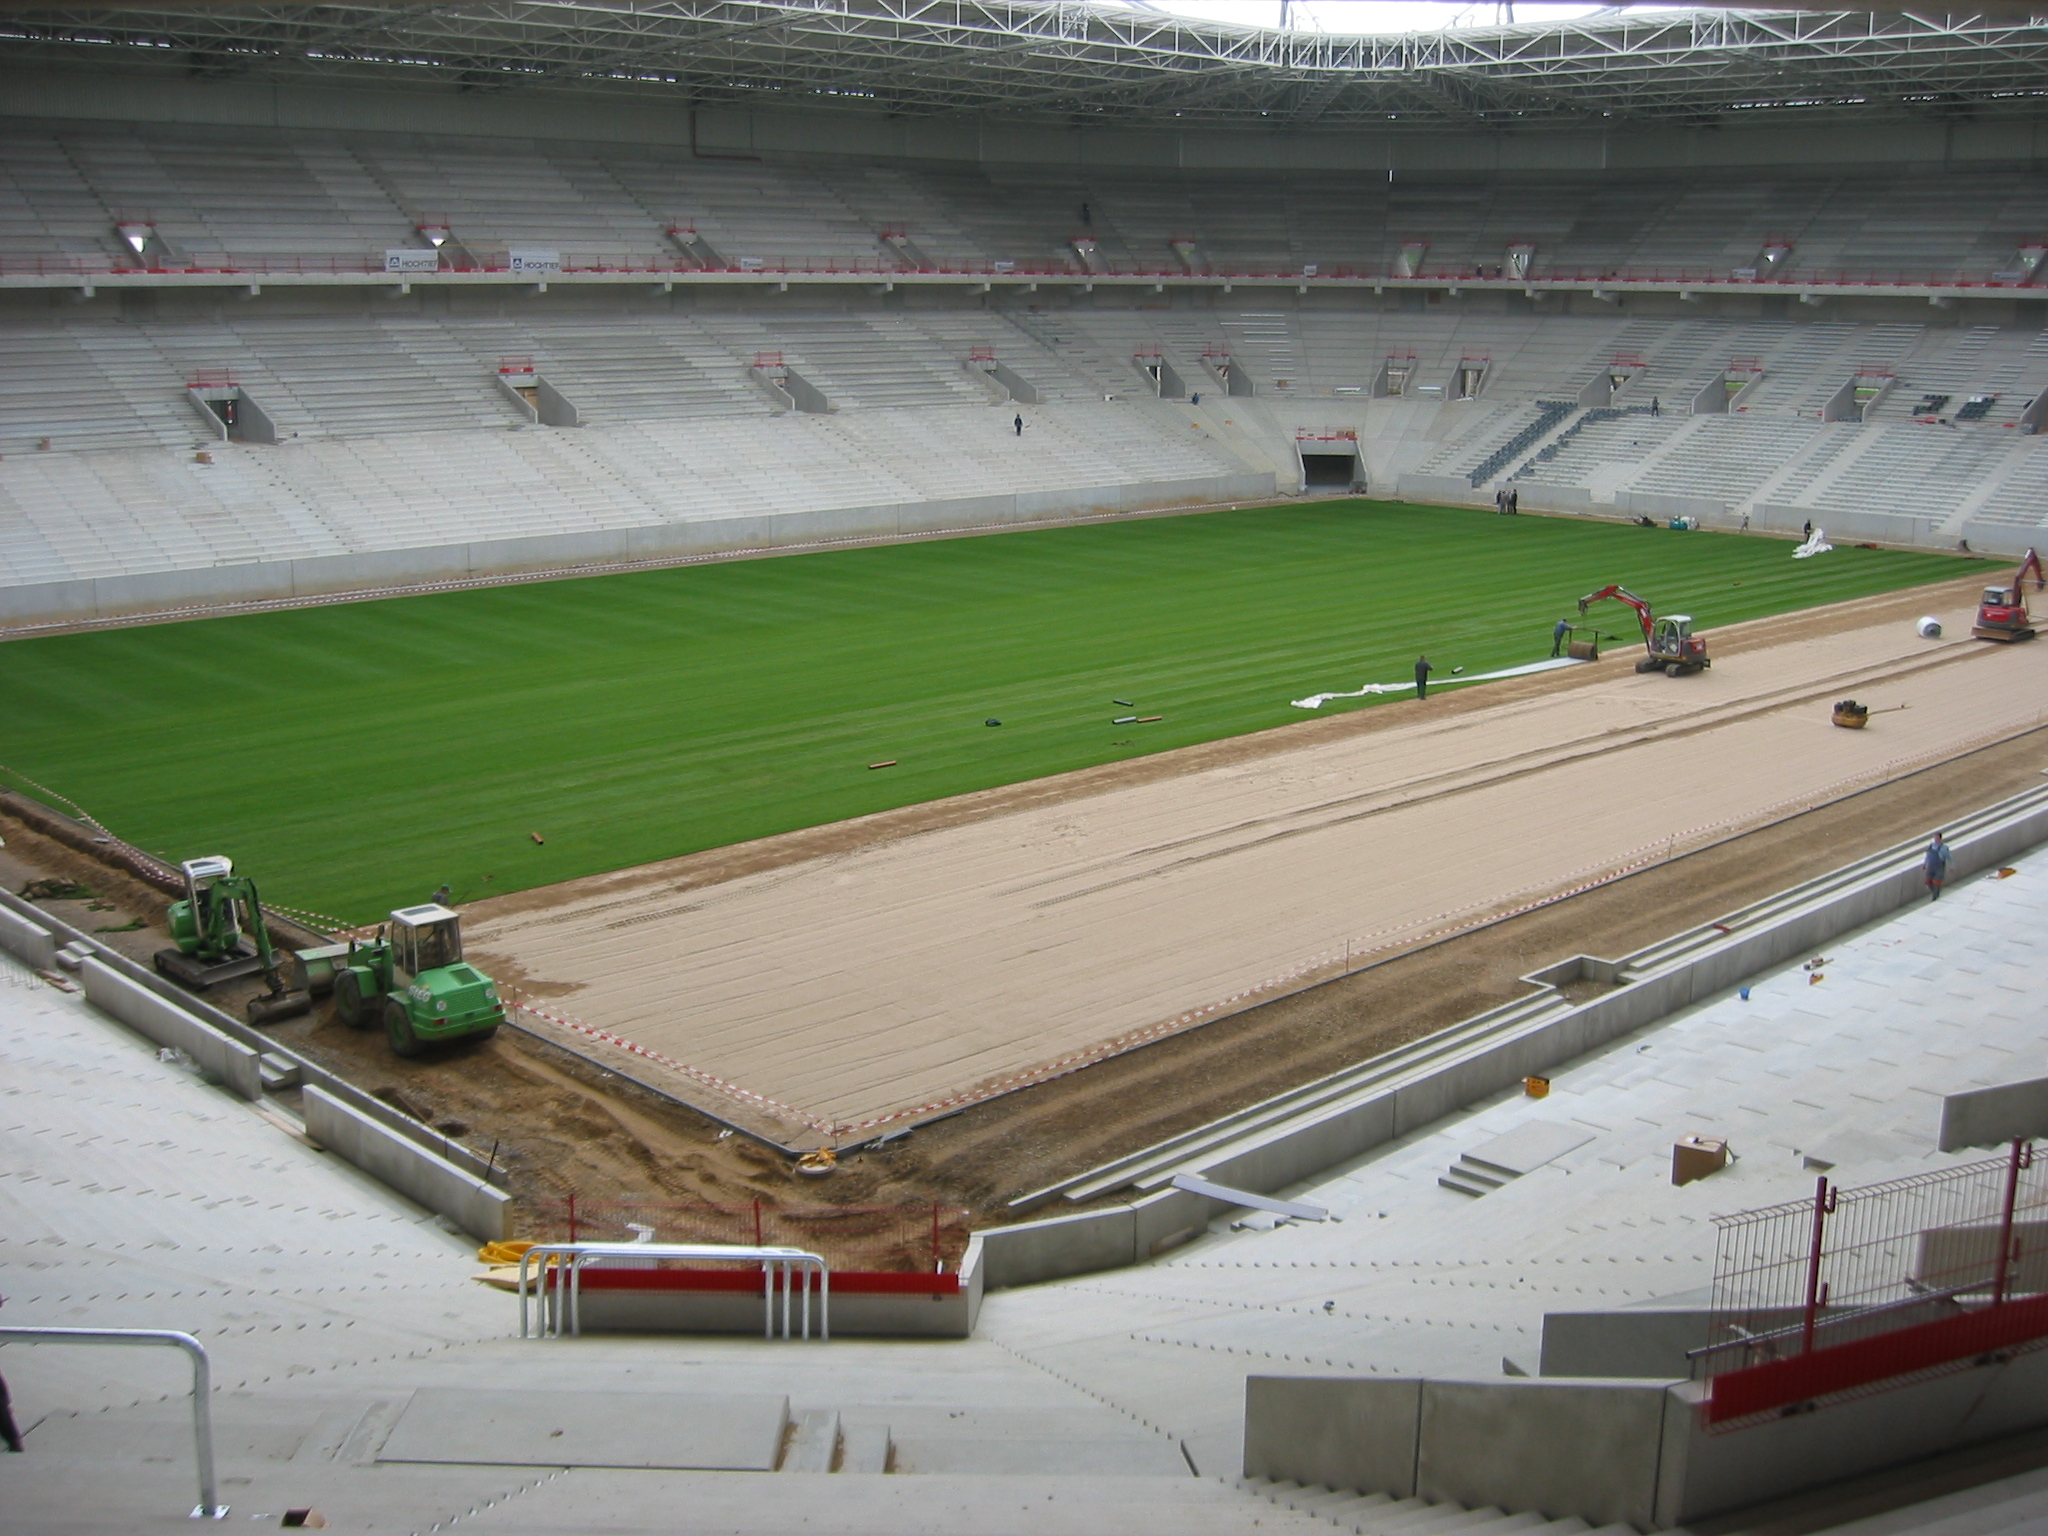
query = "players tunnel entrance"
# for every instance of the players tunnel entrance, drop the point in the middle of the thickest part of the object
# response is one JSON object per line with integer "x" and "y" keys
{"x": 1329, "y": 460}
{"x": 1329, "y": 469}
{"x": 227, "y": 408}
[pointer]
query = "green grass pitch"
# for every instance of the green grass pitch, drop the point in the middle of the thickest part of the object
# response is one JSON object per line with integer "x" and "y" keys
{"x": 353, "y": 757}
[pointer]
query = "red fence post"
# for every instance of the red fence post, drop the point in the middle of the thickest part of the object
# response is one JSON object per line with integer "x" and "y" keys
{"x": 2022, "y": 1157}
{"x": 1816, "y": 1293}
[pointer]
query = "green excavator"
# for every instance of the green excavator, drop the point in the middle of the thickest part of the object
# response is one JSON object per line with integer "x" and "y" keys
{"x": 412, "y": 976}
{"x": 210, "y": 946}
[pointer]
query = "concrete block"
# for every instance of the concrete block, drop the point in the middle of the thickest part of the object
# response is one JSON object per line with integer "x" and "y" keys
{"x": 1289, "y": 1159}
{"x": 1361, "y": 1433}
{"x": 1987, "y": 1117}
{"x": 854, "y": 1315}
{"x": 1033, "y": 1251}
{"x": 1647, "y": 1343}
{"x": 1586, "y": 1448}
{"x": 406, "y": 1166}
{"x": 1169, "y": 1218}
{"x": 163, "y": 1021}
{"x": 27, "y": 941}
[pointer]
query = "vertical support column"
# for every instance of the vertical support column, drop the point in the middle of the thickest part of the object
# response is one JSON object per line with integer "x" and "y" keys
{"x": 2022, "y": 1158}
{"x": 1816, "y": 1292}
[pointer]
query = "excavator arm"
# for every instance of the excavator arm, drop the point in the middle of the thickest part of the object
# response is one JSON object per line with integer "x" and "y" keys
{"x": 2031, "y": 563}
{"x": 241, "y": 888}
{"x": 1623, "y": 595}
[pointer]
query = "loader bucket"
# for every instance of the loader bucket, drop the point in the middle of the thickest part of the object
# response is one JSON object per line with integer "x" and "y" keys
{"x": 312, "y": 970}
{"x": 271, "y": 1007}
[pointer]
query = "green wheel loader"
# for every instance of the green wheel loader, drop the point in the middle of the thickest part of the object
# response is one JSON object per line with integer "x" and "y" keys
{"x": 210, "y": 946}
{"x": 413, "y": 979}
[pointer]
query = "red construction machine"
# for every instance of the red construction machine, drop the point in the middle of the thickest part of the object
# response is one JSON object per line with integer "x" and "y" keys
{"x": 2003, "y": 613}
{"x": 1673, "y": 648}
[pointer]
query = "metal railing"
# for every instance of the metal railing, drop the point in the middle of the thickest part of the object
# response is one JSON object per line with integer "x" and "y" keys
{"x": 559, "y": 1286}
{"x": 202, "y": 1388}
{"x": 1855, "y": 1290}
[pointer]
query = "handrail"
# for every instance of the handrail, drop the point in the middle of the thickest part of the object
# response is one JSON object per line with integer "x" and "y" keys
{"x": 561, "y": 1311}
{"x": 202, "y": 1388}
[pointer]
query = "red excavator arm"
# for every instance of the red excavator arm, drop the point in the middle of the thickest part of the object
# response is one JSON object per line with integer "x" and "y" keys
{"x": 2031, "y": 563}
{"x": 1622, "y": 594}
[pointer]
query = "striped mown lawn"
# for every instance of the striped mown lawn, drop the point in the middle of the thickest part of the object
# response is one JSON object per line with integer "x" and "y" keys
{"x": 352, "y": 758}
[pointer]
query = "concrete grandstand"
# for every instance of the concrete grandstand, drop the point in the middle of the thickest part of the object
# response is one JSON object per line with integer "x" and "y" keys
{"x": 352, "y": 301}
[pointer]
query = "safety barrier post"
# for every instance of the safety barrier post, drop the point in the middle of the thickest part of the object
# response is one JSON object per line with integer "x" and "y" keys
{"x": 559, "y": 1311}
{"x": 202, "y": 1388}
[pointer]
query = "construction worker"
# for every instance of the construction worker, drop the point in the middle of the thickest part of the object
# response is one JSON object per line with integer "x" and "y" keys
{"x": 443, "y": 896}
{"x": 1422, "y": 671}
{"x": 1934, "y": 867}
{"x": 1559, "y": 635}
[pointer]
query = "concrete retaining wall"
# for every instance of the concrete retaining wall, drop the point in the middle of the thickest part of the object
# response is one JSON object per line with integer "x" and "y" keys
{"x": 1878, "y": 527}
{"x": 1452, "y": 490}
{"x": 406, "y": 1166}
{"x": 167, "y": 1024}
{"x": 1298, "y": 1149}
{"x": 27, "y": 941}
{"x": 1607, "y": 1450}
{"x": 1588, "y": 1448}
{"x": 258, "y": 581}
{"x": 1664, "y": 507}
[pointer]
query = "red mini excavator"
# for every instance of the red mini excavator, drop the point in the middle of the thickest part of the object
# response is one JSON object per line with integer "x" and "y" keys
{"x": 1672, "y": 646}
{"x": 2003, "y": 613}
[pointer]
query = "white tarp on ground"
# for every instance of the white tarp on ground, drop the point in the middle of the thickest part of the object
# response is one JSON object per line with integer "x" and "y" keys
{"x": 1317, "y": 701}
{"x": 1816, "y": 544}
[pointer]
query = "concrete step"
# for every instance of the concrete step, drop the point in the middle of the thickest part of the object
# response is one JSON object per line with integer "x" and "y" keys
{"x": 864, "y": 1448}
{"x": 813, "y": 1442}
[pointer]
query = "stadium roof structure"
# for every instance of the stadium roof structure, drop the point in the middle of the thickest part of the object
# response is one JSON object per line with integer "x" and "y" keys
{"x": 1090, "y": 61}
